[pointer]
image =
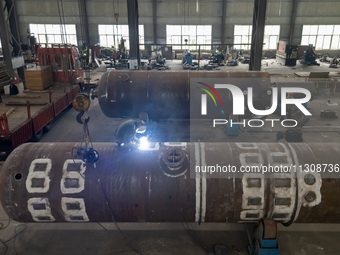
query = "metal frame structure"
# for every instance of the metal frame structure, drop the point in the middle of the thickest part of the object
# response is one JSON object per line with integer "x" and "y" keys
{"x": 84, "y": 26}
{"x": 154, "y": 20}
{"x": 132, "y": 6}
{"x": 259, "y": 18}
{"x": 10, "y": 36}
{"x": 292, "y": 20}
{"x": 224, "y": 7}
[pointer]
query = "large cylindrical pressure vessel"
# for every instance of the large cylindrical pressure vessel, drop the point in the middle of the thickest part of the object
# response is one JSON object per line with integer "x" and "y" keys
{"x": 169, "y": 182}
{"x": 125, "y": 93}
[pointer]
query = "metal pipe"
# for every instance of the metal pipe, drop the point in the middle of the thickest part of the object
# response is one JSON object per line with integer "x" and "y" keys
{"x": 169, "y": 94}
{"x": 165, "y": 95}
{"x": 41, "y": 182}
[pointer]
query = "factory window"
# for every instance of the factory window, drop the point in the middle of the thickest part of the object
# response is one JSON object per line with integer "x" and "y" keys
{"x": 110, "y": 35}
{"x": 323, "y": 37}
{"x": 242, "y": 37}
{"x": 271, "y": 37}
{"x": 54, "y": 33}
{"x": 195, "y": 35}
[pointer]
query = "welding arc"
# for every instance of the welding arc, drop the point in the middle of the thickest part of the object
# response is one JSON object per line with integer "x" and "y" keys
{"x": 213, "y": 90}
{"x": 208, "y": 94}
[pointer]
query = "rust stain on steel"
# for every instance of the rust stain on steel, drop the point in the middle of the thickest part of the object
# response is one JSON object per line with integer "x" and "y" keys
{"x": 40, "y": 182}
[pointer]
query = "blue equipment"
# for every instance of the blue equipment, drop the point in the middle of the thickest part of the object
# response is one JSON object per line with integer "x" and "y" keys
{"x": 188, "y": 58}
{"x": 265, "y": 242}
{"x": 309, "y": 57}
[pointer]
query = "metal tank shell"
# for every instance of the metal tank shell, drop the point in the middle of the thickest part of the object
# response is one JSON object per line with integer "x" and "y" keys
{"x": 41, "y": 182}
{"x": 166, "y": 94}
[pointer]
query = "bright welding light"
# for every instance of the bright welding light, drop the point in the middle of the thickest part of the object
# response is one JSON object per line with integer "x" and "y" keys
{"x": 143, "y": 143}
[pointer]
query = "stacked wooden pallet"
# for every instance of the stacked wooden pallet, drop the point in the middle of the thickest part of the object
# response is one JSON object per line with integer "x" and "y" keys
{"x": 4, "y": 76}
{"x": 39, "y": 77}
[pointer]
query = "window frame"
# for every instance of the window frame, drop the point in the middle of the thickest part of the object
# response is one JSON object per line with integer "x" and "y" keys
{"x": 43, "y": 33}
{"x": 117, "y": 36}
{"x": 316, "y": 35}
{"x": 244, "y": 32}
{"x": 200, "y": 34}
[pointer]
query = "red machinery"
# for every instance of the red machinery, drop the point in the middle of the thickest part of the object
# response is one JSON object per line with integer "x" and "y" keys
{"x": 64, "y": 60}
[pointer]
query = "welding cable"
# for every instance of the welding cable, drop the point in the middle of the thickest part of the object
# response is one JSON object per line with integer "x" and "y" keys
{"x": 5, "y": 245}
{"x": 8, "y": 222}
{"x": 114, "y": 220}
{"x": 196, "y": 239}
{"x": 16, "y": 234}
{"x": 8, "y": 199}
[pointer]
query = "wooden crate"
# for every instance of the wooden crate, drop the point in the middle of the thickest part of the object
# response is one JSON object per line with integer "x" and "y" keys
{"x": 39, "y": 77}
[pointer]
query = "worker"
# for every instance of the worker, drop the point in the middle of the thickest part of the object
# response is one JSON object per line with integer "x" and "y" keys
{"x": 13, "y": 89}
{"x": 188, "y": 58}
{"x": 126, "y": 131}
{"x": 113, "y": 56}
{"x": 221, "y": 59}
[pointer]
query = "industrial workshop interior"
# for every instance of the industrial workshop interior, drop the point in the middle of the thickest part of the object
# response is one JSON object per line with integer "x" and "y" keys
{"x": 151, "y": 127}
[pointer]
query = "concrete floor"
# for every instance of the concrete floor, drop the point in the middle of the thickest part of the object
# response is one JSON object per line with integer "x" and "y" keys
{"x": 158, "y": 238}
{"x": 165, "y": 238}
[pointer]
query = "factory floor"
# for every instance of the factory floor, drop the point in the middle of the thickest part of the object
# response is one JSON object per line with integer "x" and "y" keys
{"x": 268, "y": 65}
{"x": 158, "y": 238}
{"x": 168, "y": 238}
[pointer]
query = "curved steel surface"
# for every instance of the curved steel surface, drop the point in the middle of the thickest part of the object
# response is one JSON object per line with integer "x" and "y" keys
{"x": 167, "y": 94}
{"x": 41, "y": 182}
